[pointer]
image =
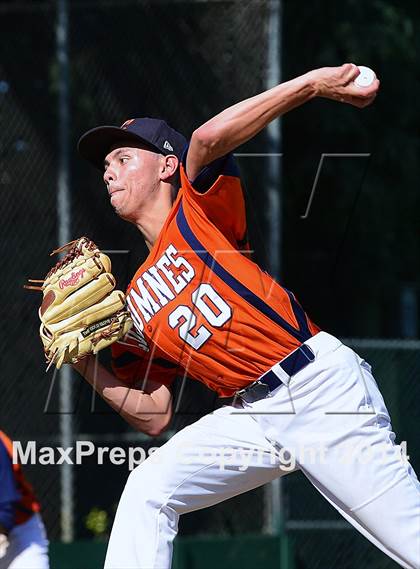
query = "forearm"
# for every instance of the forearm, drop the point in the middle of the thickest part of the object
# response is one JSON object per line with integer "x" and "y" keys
{"x": 241, "y": 122}
{"x": 135, "y": 406}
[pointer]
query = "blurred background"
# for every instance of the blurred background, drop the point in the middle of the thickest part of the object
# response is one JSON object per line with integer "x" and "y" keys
{"x": 351, "y": 257}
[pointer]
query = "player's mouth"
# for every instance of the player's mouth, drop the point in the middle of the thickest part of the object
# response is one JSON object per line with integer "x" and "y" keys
{"x": 114, "y": 191}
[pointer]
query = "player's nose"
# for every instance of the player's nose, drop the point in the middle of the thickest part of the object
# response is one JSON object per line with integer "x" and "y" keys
{"x": 109, "y": 175}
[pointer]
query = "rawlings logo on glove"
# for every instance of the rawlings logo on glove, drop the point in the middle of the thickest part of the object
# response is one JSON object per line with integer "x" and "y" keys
{"x": 73, "y": 279}
{"x": 81, "y": 313}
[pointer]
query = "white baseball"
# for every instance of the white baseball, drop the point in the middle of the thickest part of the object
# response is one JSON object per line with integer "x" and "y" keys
{"x": 366, "y": 78}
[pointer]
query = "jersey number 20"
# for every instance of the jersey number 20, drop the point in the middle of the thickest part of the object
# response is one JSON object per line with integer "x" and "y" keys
{"x": 185, "y": 320}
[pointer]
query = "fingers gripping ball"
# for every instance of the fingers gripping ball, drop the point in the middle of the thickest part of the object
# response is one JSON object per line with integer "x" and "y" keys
{"x": 366, "y": 77}
{"x": 81, "y": 313}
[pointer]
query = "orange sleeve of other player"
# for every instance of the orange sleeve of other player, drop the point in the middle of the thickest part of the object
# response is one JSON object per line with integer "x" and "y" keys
{"x": 217, "y": 190}
{"x": 27, "y": 505}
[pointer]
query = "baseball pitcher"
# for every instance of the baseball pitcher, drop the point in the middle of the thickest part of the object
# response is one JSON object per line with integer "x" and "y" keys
{"x": 198, "y": 303}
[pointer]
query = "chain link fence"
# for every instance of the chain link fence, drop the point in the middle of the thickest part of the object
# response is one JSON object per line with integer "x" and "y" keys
{"x": 125, "y": 60}
{"x": 183, "y": 61}
{"x": 27, "y": 181}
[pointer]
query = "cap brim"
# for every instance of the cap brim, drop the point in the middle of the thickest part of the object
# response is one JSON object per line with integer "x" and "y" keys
{"x": 95, "y": 144}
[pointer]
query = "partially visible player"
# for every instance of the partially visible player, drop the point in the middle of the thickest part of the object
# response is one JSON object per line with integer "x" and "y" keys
{"x": 23, "y": 543}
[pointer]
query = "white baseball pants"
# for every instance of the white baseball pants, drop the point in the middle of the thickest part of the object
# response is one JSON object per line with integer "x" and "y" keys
{"x": 28, "y": 546}
{"x": 329, "y": 420}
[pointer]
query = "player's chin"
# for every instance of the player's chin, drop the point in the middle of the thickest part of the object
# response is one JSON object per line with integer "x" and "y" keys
{"x": 116, "y": 197}
{"x": 120, "y": 212}
{"x": 117, "y": 202}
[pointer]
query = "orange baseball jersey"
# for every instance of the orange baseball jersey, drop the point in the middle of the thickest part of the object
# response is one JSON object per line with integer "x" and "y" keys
{"x": 26, "y": 504}
{"x": 201, "y": 305}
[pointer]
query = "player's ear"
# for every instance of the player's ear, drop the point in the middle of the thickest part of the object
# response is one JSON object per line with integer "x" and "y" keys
{"x": 169, "y": 167}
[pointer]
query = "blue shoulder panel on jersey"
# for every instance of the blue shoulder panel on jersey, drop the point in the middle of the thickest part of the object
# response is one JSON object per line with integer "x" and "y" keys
{"x": 224, "y": 166}
{"x": 8, "y": 491}
{"x": 232, "y": 282}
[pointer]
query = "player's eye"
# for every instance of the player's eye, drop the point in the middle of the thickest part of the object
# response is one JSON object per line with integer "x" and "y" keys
{"x": 123, "y": 159}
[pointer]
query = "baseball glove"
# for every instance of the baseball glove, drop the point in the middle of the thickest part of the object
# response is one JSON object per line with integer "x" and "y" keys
{"x": 81, "y": 313}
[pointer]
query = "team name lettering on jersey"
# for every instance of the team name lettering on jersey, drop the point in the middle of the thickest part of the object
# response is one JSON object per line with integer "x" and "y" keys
{"x": 157, "y": 286}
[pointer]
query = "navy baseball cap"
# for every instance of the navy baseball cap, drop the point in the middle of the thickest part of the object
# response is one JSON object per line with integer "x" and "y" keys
{"x": 94, "y": 145}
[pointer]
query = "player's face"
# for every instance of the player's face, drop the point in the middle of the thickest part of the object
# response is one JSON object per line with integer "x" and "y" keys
{"x": 132, "y": 179}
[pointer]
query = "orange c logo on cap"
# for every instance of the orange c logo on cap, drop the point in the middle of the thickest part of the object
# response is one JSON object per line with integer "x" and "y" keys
{"x": 127, "y": 123}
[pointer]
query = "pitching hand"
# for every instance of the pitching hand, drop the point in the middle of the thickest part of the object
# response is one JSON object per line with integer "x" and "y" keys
{"x": 337, "y": 83}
